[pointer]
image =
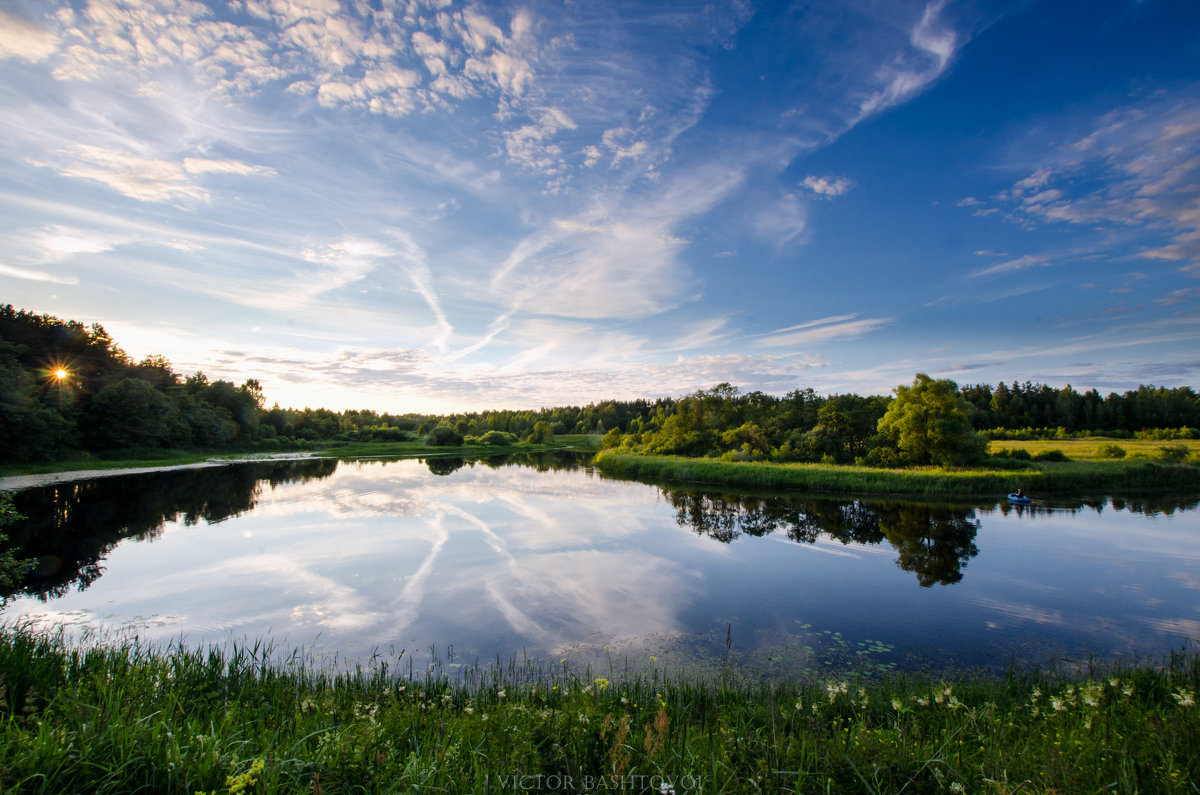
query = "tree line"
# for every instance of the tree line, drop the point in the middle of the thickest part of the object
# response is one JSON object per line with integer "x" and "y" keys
{"x": 66, "y": 387}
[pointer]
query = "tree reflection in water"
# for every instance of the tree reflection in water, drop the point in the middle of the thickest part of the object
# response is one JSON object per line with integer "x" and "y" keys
{"x": 932, "y": 541}
{"x": 69, "y": 528}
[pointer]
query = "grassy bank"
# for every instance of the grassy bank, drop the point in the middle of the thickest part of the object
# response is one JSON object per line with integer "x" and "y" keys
{"x": 127, "y": 459}
{"x": 124, "y": 719}
{"x": 1037, "y": 478}
{"x": 132, "y": 459}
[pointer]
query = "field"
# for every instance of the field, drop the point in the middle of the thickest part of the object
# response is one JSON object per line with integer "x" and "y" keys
{"x": 1089, "y": 449}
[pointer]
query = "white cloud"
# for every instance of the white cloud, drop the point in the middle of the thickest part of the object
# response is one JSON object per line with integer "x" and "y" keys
{"x": 20, "y": 38}
{"x": 528, "y": 145}
{"x": 141, "y": 178}
{"x": 827, "y": 186}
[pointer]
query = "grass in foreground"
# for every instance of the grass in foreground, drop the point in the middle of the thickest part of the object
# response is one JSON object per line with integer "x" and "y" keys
{"x": 125, "y": 719}
{"x": 1036, "y": 477}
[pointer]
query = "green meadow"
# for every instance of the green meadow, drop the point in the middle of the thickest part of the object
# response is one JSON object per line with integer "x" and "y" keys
{"x": 1036, "y": 477}
{"x": 122, "y": 717}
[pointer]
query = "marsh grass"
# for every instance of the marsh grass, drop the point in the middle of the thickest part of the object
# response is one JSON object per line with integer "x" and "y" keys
{"x": 1042, "y": 477}
{"x": 123, "y": 717}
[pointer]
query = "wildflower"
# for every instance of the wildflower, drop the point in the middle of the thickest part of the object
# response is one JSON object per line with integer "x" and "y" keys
{"x": 799, "y": 705}
{"x": 1114, "y": 682}
{"x": 1127, "y": 691}
{"x": 1057, "y": 703}
{"x": 922, "y": 701}
{"x": 601, "y": 683}
{"x": 583, "y": 718}
{"x": 241, "y": 783}
{"x": 1185, "y": 698}
{"x": 897, "y": 704}
{"x": 624, "y": 700}
{"x": 468, "y": 710}
{"x": 500, "y": 694}
{"x": 956, "y": 786}
{"x": 483, "y": 717}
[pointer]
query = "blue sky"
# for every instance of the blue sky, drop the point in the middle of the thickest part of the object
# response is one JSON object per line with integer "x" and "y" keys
{"x": 437, "y": 206}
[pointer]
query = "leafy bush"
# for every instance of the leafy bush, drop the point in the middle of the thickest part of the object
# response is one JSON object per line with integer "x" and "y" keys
{"x": 1018, "y": 453}
{"x": 1051, "y": 455}
{"x": 1111, "y": 450}
{"x": 443, "y": 436}
{"x": 499, "y": 439}
{"x": 1173, "y": 452}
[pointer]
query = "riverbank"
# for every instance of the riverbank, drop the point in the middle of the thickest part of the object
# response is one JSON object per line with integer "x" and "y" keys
{"x": 1038, "y": 478}
{"x": 120, "y": 718}
{"x": 14, "y": 478}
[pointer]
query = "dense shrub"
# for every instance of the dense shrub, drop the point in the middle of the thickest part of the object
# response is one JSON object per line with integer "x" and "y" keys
{"x": 1111, "y": 450}
{"x": 444, "y": 436}
{"x": 1051, "y": 455}
{"x": 1173, "y": 452}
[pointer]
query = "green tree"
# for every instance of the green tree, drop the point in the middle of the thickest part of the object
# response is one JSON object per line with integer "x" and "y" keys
{"x": 129, "y": 413}
{"x": 930, "y": 423}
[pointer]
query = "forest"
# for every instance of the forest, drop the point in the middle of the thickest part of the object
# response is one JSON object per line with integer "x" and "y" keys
{"x": 67, "y": 389}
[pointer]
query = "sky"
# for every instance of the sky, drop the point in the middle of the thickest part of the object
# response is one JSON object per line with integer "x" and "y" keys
{"x": 436, "y": 206}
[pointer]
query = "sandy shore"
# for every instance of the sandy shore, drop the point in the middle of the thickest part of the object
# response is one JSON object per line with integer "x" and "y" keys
{"x": 18, "y": 482}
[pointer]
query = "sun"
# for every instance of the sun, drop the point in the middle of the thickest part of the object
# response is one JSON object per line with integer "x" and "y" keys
{"x": 61, "y": 374}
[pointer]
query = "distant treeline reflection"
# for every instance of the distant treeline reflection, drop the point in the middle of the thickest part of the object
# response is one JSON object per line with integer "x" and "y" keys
{"x": 70, "y": 528}
{"x": 932, "y": 541}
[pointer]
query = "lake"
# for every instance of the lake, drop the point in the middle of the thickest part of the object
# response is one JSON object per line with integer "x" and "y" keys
{"x": 544, "y": 558}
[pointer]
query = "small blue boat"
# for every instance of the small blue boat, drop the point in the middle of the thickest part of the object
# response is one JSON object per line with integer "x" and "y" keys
{"x": 1018, "y": 500}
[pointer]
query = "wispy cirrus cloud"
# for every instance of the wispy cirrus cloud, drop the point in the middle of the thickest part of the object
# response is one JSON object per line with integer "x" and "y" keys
{"x": 823, "y": 330}
{"x": 1140, "y": 166}
{"x": 142, "y": 178}
{"x": 933, "y": 44}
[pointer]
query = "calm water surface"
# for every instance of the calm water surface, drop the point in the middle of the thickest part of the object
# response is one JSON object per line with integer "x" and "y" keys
{"x": 505, "y": 559}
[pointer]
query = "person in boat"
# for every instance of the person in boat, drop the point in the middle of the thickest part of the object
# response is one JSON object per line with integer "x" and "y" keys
{"x": 1019, "y": 493}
